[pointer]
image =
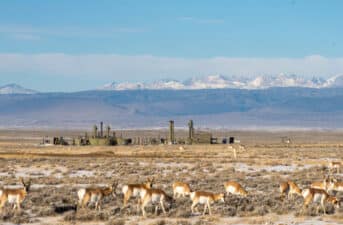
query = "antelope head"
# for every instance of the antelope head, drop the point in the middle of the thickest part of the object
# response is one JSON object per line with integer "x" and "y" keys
{"x": 149, "y": 182}
{"x": 220, "y": 197}
{"x": 27, "y": 185}
{"x": 334, "y": 201}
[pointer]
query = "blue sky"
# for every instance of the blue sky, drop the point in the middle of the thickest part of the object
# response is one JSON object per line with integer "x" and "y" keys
{"x": 77, "y": 45}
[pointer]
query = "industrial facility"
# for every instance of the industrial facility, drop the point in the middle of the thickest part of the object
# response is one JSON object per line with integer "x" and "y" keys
{"x": 106, "y": 137}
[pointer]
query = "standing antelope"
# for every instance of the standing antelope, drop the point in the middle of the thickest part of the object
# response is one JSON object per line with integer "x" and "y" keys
{"x": 233, "y": 187}
{"x": 322, "y": 185}
{"x": 14, "y": 196}
{"x": 318, "y": 196}
{"x": 335, "y": 165}
{"x": 95, "y": 195}
{"x": 135, "y": 190}
{"x": 205, "y": 198}
{"x": 155, "y": 196}
{"x": 181, "y": 189}
{"x": 289, "y": 188}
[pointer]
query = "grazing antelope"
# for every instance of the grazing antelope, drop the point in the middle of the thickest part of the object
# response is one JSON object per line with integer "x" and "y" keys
{"x": 318, "y": 196}
{"x": 95, "y": 195}
{"x": 233, "y": 187}
{"x": 289, "y": 188}
{"x": 335, "y": 185}
{"x": 335, "y": 166}
{"x": 135, "y": 190}
{"x": 181, "y": 189}
{"x": 205, "y": 198}
{"x": 155, "y": 196}
{"x": 14, "y": 196}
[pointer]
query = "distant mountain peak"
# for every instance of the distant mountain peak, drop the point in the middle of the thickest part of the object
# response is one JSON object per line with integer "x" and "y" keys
{"x": 15, "y": 89}
{"x": 219, "y": 81}
{"x": 335, "y": 81}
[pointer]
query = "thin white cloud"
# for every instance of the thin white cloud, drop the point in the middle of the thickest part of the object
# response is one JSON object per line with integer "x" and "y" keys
{"x": 200, "y": 20}
{"x": 22, "y": 31}
{"x": 147, "y": 67}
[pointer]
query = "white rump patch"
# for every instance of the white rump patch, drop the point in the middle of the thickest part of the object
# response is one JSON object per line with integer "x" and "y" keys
{"x": 124, "y": 189}
{"x": 12, "y": 198}
{"x": 81, "y": 193}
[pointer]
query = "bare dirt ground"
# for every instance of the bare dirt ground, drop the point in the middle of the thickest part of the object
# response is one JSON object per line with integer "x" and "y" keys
{"x": 58, "y": 171}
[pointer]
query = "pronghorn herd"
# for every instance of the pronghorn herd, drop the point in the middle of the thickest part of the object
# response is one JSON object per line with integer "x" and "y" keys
{"x": 146, "y": 194}
{"x": 318, "y": 192}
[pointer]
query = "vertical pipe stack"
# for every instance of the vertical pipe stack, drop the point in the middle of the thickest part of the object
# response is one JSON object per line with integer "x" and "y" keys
{"x": 101, "y": 129}
{"x": 190, "y": 131}
{"x": 171, "y": 132}
{"x": 108, "y": 131}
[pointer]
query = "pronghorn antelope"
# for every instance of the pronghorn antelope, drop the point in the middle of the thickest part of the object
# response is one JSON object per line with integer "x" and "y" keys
{"x": 135, "y": 190}
{"x": 181, "y": 189}
{"x": 335, "y": 185}
{"x": 318, "y": 196}
{"x": 233, "y": 187}
{"x": 289, "y": 188}
{"x": 14, "y": 196}
{"x": 335, "y": 166}
{"x": 205, "y": 198}
{"x": 155, "y": 196}
{"x": 95, "y": 195}
{"x": 322, "y": 185}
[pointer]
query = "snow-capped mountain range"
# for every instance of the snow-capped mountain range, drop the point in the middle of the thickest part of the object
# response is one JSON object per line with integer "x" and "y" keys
{"x": 209, "y": 82}
{"x": 219, "y": 81}
{"x": 15, "y": 89}
{"x": 212, "y": 108}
